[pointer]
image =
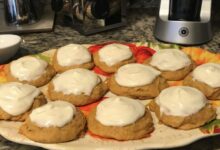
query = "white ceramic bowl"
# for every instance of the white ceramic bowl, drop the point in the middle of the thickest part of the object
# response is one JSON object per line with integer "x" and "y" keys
{"x": 9, "y": 45}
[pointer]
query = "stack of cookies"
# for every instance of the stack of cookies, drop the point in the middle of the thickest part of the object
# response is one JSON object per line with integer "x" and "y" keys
{"x": 71, "y": 83}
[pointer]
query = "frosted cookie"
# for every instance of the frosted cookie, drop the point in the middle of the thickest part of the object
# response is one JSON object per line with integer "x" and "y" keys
{"x": 120, "y": 118}
{"x": 77, "y": 86}
{"x": 182, "y": 107}
{"x": 54, "y": 122}
{"x": 112, "y": 56}
{"x": 173, "y": 64}
{"x": 30, "y": 70}
{"x": 206, "y": 78}
{"x": 72, "y": 56}
{"x": 17, "y": 100}
{"x": 137, "y": 81}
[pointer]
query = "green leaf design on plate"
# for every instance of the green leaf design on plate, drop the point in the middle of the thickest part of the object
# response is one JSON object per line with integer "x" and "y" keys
{"x": 158, "y": 46}
{"x": 212, "y": 127}
{"x": 43, "y": 57}
{"x": 176, "y": 46}
{"x": 165, "y": 46}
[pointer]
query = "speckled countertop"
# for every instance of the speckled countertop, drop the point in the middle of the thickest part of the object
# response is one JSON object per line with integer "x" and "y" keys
{"x": 139, "y": 28}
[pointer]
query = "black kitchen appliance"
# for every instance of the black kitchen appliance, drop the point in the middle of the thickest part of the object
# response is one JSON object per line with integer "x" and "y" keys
{"x": 92, "y": 16}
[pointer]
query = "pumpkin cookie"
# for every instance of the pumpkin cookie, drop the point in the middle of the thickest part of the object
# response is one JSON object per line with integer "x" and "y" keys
{"x": 72, "y": 56}
{"x": 112, "y": 56}
{"x": 120, "y": 118}
{"x": 183, "y": 108}
{"x": 77, "y": 86}
{"x": 206, "y": 78}
{"x": 30, "y": 70}
{"x": 54, "y": 122}
{"x": 137, "y": 81}
{"x": 173, "y": 64}
{"x": 17, "y": 100}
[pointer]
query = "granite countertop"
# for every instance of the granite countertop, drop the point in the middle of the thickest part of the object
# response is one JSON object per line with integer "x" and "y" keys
{"x": 139, "y": 28}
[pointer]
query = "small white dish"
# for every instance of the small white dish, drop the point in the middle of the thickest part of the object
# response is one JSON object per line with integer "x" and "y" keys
{"x": 9, "y": 45}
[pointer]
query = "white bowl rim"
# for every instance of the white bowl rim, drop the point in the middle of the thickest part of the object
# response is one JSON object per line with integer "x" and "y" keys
{"x": 13, "y": 43}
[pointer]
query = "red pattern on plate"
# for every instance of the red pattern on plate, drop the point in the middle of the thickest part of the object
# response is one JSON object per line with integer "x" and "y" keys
{"x": 87, "y": 108}
{"x": 143, "y": 53}
{"x": 2, "y": 67}
{"x": 101, "y": 72}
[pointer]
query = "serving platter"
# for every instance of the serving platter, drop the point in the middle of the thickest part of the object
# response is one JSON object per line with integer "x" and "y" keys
{"x": 161, "y": 137}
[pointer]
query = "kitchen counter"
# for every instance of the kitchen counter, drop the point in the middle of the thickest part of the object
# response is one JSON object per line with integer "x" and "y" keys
{"x": 139, "y": 28}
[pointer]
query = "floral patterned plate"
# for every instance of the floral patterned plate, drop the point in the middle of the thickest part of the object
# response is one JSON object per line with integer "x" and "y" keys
{"x": 161, "y": 137}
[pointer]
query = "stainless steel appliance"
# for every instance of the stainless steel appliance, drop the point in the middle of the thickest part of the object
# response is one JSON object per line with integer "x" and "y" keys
{"x": 186, "y": 22}
{"x": 23, "y": 11}
{"x": 25, "y": 16}
{"x": 92, "y": 16}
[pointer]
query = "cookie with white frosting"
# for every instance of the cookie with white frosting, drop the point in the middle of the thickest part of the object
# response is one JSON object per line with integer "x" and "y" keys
{"x": 182, "y": 107}
{"x": 30, "y": 70}
{"x": 112, "y": 56}
{"x": 172, "y": 63}
{"x": 77, "y": 86}
{"x": 54, "y": 122}
{"x": 206, "y": 78}
{"x": 17, "y": 100}
{"x": 72, "y": 56}
{"x": 137, "y": 81}
{"x": 120, "y": 118}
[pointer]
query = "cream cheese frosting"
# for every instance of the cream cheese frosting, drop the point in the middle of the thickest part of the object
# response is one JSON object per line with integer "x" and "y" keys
{"x": 76, "y": 81}
{"x": 181, "y": 101}
{"x": 133, "y": 75}
{"x": 53, "y": 114}
{"x": 170, "y": 60}
{"x": 208, "y": 73}
{"x": 73, "y": 54}
{"x": 119, "y": 111}
{"x": 114, "y": 53}
{"x": 28, "y": 68}
{"x": 16, "y": 98}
